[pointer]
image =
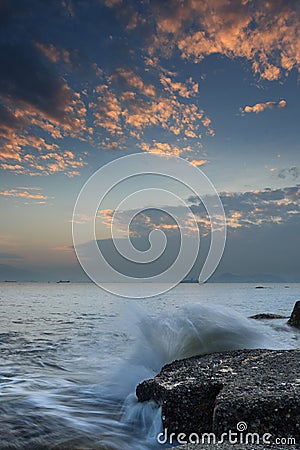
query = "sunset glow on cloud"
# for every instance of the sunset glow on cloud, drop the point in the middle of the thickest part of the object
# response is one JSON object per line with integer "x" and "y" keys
{"x": 119, "y": 101}
{"x": 22, "y": 194}
{"x": 215, "y": 82}
{"x": 260, "y": 107}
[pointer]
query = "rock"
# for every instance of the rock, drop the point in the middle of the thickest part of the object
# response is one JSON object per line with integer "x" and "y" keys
{"x": 228, "y": 446}
{"x": 213, "y": 393}
{"x": 267, "y": 316}
{"x": 294, "y": 320}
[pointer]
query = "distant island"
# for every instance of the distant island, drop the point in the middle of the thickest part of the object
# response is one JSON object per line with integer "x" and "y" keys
{"x": 242, "y": 278}
{"x": 17, "y": 274}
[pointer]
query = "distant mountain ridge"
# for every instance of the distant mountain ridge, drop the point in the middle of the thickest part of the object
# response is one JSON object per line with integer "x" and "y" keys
{"x": 11, "y": 273}
{"x": 247, "y": 278}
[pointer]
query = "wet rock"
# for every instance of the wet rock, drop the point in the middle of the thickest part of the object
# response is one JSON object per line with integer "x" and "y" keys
{"x": 213, "y": 393}
{"x": 294, "y": 320}
{"x": 228, "y": 446}
{"x": 263, "y": 316}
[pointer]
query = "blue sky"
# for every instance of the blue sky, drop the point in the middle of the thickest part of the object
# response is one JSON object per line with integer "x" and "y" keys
{"x": 82, "y": 83}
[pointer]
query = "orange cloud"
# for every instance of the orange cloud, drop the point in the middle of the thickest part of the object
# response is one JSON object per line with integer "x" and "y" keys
{"x": 21, "y": 131}
{"x": 143, "y": 223}
{"x": 47, "y": 164}
{"x": 164, "y": 149}
{"x": 141, "y": 106}
{"x": 62, "y": 162}
{"x": 8, "y": 152}
{"x": 168, "y": 113}
{"x": 159, "y": 148}
{"x": 233, "y": 219}
{"x": 81, "y": 219}
{"x": 107, "y": 110}
{"x": 133, "y": 21}
{"x": 266, "y": 33}
{"x": 125, "y": 106}
{"x": 260, "y": 107}
{"x": 106, "y": 215}
{"x": 22, "y": 194}
{"x": 186, "y": 90}
{"x": 198, "y": 162}
{"x": 136, "y": 82}
{"x": 53, "y": 54}
{"x": 13, "y": 167}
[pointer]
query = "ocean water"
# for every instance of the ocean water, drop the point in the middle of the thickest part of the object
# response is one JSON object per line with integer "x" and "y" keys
{"x": 72, "y": 354}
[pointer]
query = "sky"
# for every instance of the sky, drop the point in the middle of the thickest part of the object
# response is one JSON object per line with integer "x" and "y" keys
{"x": 85, "y": 82}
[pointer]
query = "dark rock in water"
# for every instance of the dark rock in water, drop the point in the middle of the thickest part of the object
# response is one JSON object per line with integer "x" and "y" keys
{"x": 267, "y": 316}
{"x": 294, "y": 320}
{"x": 213, "y": 393}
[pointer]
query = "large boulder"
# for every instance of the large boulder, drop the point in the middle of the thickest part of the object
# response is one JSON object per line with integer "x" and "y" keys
{"x": 294, "y": 320}
{"x": 216, "y": 392}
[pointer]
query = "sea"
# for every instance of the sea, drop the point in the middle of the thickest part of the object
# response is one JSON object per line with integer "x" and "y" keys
{"x": 72, "y": 354}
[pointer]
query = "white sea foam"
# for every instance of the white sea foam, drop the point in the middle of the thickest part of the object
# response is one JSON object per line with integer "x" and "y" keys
{"x": 183, "y": 332}
{"x": 160, "y": 338}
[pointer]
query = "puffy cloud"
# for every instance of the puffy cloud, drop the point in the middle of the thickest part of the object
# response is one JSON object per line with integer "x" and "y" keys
{"x": 37, "y": 104}
{"x": 53, "y": 54}
{"x": 21, "y": 193}
{"x": 243, "y": 210}
{"x": 105, "y": 216}
{"x": 140, "y": 107}
{"x": 265, "y": 33}
{"x": 168, "y": 113}
{"x": 292, "y": 172}
{"x": 164, "y": 149}
{"x": 159, "y": 148}
{"x": 132, "y": 80}
{"x": 186, "y": 90}
{"x": 107, "y": 110}
{"x": 260, "y": 207}
{"x": 81, "y": 219}
{"x": 260, "y": 107}
{"x": 47, "y": 164}
{"x": 21, "y": 127}
{"x": 146, "y": 221}
{"x": 133, "y": 21}
{"x": 198, "y": 162}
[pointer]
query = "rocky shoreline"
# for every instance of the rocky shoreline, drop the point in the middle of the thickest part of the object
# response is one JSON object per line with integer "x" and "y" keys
{"x": 228, "y": 446}
{"x": 242, "y": 391}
